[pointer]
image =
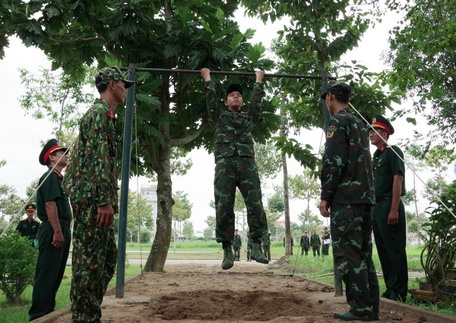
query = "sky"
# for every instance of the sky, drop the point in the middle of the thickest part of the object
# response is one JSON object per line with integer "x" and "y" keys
{"x": 21, "y": 135}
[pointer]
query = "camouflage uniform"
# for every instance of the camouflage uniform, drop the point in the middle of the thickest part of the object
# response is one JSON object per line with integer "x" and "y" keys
{"x": 325, "y": 246}
{"x": 347, "y": 186}
{"x": 267, "y": 246}
{"x": 305, "y": 243}
{"x": 249, "y": 248}
{"x": 390, "y": 239}
{"x": 315, "y": 243}
{"x": 51, "y": 262}
{"x": 91, "y": 182}
{"x": 237, "y": 244}
{"x": 235, "y": 166}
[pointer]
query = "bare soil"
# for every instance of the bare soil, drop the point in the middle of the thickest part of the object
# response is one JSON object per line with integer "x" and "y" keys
{"x": 249, "y": 292}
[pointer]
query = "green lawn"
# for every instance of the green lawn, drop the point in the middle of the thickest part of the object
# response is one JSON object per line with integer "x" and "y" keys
{"x": 317, "y": 268}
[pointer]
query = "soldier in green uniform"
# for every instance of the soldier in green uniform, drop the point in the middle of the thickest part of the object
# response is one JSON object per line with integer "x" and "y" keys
{"x": 237, "y": 244}
{"x": 235, "y": 165}
{"x": 267, "y": 246}
{"x": 29, "y": 227}
{"x": 305, "y": 243}
{"x": 347, "y": 197}
{"x": 315, "y": 243}
{"x": 91, "y": 182}
{"x": 249, "y": 248}
{"x": 389, "y": 213}
{"x": 326, "y": 237}
{"x": 54, "y": 235}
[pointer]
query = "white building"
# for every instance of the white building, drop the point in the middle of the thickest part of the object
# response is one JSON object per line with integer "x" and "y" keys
{"x": 149, "y": 193}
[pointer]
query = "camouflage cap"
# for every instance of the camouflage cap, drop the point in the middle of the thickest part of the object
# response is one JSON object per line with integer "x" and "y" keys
{"x": 338, "y": 89}
{"x": 233, "y": 88}
{"x": 112, "y": 73}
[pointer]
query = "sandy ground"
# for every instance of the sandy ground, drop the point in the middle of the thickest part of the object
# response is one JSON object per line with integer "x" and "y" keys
{"x": 249, "y": 292}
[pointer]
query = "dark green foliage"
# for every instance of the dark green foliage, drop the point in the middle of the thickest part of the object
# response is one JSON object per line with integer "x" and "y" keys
{"x": 17, "y": 265}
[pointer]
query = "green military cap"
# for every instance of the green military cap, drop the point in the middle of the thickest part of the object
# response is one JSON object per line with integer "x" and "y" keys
{"x": 112, "y": 73}
{"x": 50, "y": 147}
{"x": 382, "y": 123}
{"x": 338, "y": 89}
{"x": 30, "y": 207}
{"x": 233, "y": 88}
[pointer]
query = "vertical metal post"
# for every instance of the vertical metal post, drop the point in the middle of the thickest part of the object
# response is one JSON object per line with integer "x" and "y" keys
{"x": 125, "y": 177}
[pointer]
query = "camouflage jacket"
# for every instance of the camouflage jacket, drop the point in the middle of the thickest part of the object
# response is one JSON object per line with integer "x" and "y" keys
{"x": 233, "y": 130}
{"x": 346, "y": 175}
{"x": 237, "y": 242}
{"x": 315, "y": 241}
{"x": 91, "y": 175}
{"x": 305, "y": 242}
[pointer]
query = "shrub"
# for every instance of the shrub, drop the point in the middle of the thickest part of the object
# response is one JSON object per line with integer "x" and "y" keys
{"x": 17, "y": 265}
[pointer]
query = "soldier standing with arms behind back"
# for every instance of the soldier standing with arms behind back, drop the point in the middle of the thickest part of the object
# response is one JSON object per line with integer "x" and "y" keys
{"x": 54, "y": 235}
{"x": 305, "y": 243}
{"x": 389, "y": 213}
{"x": 92, "y": 185}
{"x": 315, "y": 243}
{"x": 237, "y": 244}
{"x": 235, "y": 165}
{"x": 29, "y": 227}
{"x": 347, "y": 197}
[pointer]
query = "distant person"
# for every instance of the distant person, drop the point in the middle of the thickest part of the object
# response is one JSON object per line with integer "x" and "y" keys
{"x": 249, "y": 248}
{"x": 390, "y": 228}
{"x": 29, "y": 227}
{"x": 326, "y": 237}
{"x": 237, "y": 244}
{"x": 315, "y": 243}
{"x": 235, "y": 165}
{"x": 267, "y": 246}
{"x": 92, "y": 185}
{"x": 54, "y": 235}
{"x": 304, "y": 243}
{"x": 347, "y": 197}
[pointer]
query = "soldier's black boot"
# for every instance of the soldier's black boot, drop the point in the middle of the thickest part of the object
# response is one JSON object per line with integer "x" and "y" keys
{"x": 257, "y": 254}
{"x": 228, "y": 256}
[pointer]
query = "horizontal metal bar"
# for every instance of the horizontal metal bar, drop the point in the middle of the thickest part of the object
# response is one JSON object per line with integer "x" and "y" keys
{"x": 176, "y": 70}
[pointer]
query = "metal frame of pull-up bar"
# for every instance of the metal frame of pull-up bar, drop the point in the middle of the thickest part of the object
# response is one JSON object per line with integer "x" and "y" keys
{"x": 126, "y": 151}
{"x": 184, "y": 71}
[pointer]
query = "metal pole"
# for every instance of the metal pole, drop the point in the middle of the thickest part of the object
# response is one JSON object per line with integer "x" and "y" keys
{"x": 176, "y": 70}
{"x": 125, "y": 177}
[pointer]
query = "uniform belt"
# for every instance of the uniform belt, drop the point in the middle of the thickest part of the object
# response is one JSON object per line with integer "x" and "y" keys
{"x": 62, "y": 221}
{"x": 383, "y": 198}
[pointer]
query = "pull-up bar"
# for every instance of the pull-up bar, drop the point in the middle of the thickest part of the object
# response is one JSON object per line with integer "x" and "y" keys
{"x": 176, "y": 70}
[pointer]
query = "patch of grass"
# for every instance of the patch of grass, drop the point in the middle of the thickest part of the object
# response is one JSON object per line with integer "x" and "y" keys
{"x": 19, "y": 314}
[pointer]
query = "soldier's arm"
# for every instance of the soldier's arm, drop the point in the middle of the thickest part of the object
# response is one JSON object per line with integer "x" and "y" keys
{"x": 211, "y": 95}
{"x": 334, "y": 161}
{"x": 53, "y": 216}
{"x": 257, "y": 96}
{"x": 97, "y": 153}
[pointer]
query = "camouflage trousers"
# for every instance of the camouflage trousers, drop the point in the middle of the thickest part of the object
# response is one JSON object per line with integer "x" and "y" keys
{"x": 351, "y": 229}
{"x": 237, "y": 253}
{"x": 267, "y": 251}
{"x": 325, "y": 249}
{"x": 241, "y": 172}
{"x": 94, "y": 262}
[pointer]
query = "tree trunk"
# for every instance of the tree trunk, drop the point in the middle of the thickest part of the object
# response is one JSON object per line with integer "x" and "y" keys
{"x": 286, "y": 204}
{"x": 159, "y": 250}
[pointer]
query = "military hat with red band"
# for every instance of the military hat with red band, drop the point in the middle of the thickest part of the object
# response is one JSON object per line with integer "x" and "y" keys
{"x": 382, "y": 123}
{"x": 30, "y": 207}
{"x": 51, "y": 146}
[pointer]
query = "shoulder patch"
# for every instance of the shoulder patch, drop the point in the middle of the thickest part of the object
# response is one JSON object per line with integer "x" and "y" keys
{"x": 330, "y": 132}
